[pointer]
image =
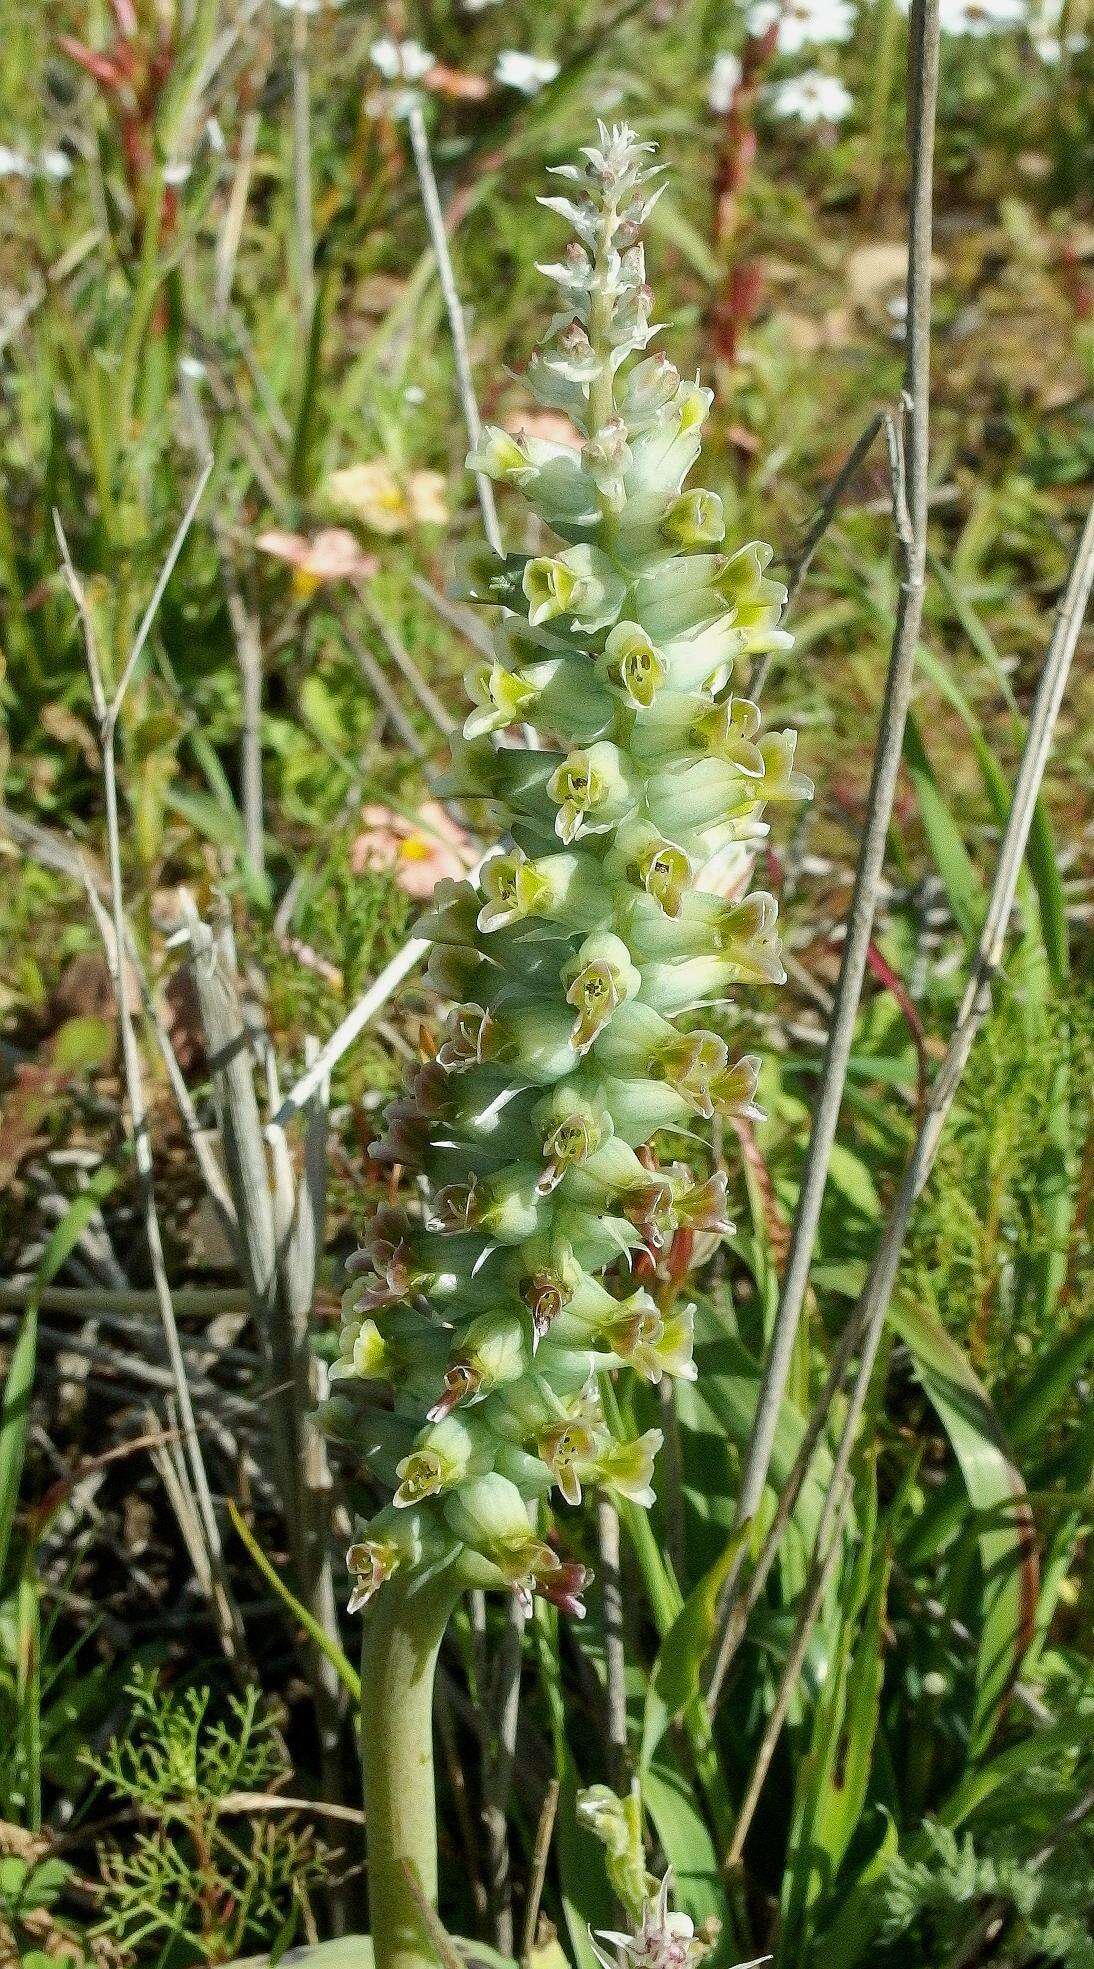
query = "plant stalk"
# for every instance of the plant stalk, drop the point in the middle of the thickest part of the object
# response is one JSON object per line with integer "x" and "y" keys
{"x": 402, "y": 1640}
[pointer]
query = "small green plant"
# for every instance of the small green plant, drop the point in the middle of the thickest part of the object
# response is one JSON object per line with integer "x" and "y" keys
{"x": 210, "y": 1876}
{"x": 1034, "y": 1905}
{"x": 32, "y": 1883}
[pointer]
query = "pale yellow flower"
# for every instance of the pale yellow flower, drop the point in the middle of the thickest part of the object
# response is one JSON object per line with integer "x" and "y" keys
{"x": 372, "y": 495}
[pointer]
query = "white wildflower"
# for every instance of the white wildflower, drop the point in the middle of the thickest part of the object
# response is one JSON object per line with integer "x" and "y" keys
{"x": 1052, "y": 48}
{"x": 528, "y": 73}
{"x": 978, "y": 17}
{"x": 662, "y": 1940}
{"x": 177, "y": 172}
{"x": 405, "y": 61}
{"x": 1046, "y": 31}
{"x": 811, "y": 98}
{"x": 724, "y": 78}
{"x": 803, "y": 23}
{"x": 13, "y": 164}
{"x": 55, "y": 165}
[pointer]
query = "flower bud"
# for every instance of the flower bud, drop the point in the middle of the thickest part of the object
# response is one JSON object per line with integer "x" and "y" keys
{"x": 649, "y": 389}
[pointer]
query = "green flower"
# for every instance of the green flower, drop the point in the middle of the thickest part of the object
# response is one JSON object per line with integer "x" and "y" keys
{"x": 606, "y": 742}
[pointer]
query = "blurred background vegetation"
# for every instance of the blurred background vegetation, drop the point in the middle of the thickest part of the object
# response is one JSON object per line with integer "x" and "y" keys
{"x": 211, "y": 236}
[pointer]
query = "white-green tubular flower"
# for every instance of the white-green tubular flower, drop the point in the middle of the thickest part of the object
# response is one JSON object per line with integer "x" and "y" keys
{"x": 532, "y": 1148}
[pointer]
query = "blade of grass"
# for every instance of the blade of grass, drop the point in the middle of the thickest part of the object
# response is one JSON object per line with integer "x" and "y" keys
{"x": 346, "y": 1672}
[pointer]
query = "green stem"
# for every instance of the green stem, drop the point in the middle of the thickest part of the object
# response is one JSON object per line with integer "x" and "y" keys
{"x": 403, "y": 1635}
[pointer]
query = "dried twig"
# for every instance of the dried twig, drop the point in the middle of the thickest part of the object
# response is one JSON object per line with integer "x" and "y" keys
{"x": 434, "y": 1926}
{"x": 457, "y": 615}
{"x": 911, "y": 520}
{"x": 799, "y": 562}
{"x": 812, "y": 1601}
{"x": 540, "y": 1855}
{"x": 378, "y": 684}
{"x": 434, "y": 218}
{"x": 355, "y": 1021}
{"x": 405, "y": 664}
{"x": 248, "y": 645}
{"x": 615, "y": 1658}
{"x": 204, "y": 1302}
{"x": 301, "y": 167}
{"x": 499, "y": 1776}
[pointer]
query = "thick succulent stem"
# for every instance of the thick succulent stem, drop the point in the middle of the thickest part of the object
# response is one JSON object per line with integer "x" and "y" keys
{"x": 403, "y": 1634}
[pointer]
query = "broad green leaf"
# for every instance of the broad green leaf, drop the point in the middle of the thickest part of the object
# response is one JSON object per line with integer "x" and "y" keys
{"x": 1040, "y": 851}
{"x": 728, "y": 1385}
{"x": 831, "y": 1784}
{"x": 995, "y": 1487}
{"x": 848, "y": 1174}
{"x": 964, "y": 889}
{"x": 851, "y": 1933}
{"x": 676, "y": 1672}
{"x": 687, "y": 1844}
{"x": 217, "y": 823}
{"x": 1024, "y": 1420}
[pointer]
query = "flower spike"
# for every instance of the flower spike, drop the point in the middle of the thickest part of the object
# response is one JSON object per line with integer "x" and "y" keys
{"x": 478, "y": 1318}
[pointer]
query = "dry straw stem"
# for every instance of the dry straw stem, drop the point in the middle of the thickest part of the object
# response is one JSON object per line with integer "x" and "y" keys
{"x": 867, "y": 1322}
{"x": 540, "y": 1854}
{"x": 912, "y": 535}
{"x": 354, "y": 1023}
{"x": 192, "y": 1301}
{"x": 615, "y": 1657}
{"x": 434, "y": 218}
{"x": 798, "y": 564}
{"x": 499, "y": 1777}
{"x": 53, "y": 852}
{"x": 205, "y": 1548}
{"x": 280, "y": 1237}
{"x": 301, "y": 166}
